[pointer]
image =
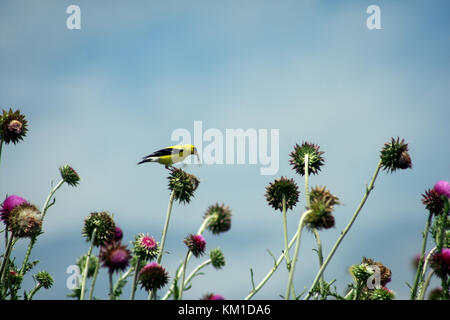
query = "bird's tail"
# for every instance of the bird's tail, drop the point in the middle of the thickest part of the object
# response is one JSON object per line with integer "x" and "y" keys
{"x": 147, "y": 160}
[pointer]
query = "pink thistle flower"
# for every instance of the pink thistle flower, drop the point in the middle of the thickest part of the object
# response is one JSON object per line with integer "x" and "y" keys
{"x": 196, "y": 244}
{"x": 8, "y": 205}
{"x": 442, "y": 188}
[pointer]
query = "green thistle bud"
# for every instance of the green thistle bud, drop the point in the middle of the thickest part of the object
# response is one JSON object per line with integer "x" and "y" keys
{"x": 44, "y": 279}
{"x": 81, "y": 263}
{"x": 219, "y": 218}
{"x": 322, "y": 203}
{"x": 182, "y": 184}
{"x": 315, "y": 159}
{"x": 282, "y": 187}
{"x": 104, "y": 224}
{"x": 69, "y": 175}
{"x": 360, "y": 272}
{"x": 13, "y": 125}
{"x": 25, "y": 221}
{"x": 394, "y": 155}
{"x": 381, "y": 294}
{"x": 217, "y": 258}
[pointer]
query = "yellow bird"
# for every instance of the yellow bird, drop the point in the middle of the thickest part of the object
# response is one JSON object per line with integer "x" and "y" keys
{"x": 170, "y": 155}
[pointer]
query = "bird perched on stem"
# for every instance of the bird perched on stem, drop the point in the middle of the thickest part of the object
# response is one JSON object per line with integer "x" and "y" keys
{"x": 170, "y": 155}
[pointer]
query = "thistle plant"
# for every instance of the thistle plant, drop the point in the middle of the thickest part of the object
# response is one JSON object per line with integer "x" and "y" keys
{"x": 13, "y": 127}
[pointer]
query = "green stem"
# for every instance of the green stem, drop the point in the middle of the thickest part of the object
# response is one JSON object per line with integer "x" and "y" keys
{"x": 182, "y": 276}
{"x": 425, "y": 285}
{"x": 111, "y": 290}
{"x": 94, "y": 280}
{"x": 197, "y": 269}
{"x": 320, "y": 255}
{"x": 345, "y": 231}
{"x": 33, "y": 292}
{"x": 86, "y": 266}
{"x": 135, "y": 277}
{"x": 119, "y": 281}
{"x": 33, "y": 239}
{"x": 5, "y": 261}
{"x": 286, "y": 241}
{"x": 301, "y": 224}
{"x": 272, "y": 271}
{"x": 1, "y": 148}
{"x": 421, "y": 261}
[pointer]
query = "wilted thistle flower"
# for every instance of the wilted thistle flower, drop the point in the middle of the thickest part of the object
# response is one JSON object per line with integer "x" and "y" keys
{"x": 25, "y": 220}
{"x": 182, "y": 184}
{"x": 385, "y": 272}
{"x": 81, "y": 263}
{"x": 315, "y": 159}
{"x": 211, "y": 296}
{"x": 433, "y": 201}
{"x": 217, "y": 258}
{"x": 440, "y": 262}
{"x": 196, "y": 244}
{"x": 322, "y": 203}
{"x": 279, "y": 188}
{"x": 14, "y": 127}
{"x": 219, "y": 218}
{"x": 44, "y": 279}
{"x": 442, "y": 188}
{"x": 435, "y": 294}
{"x": 115, "y": 256}
{"x": 145, "y": 247}
{"x": 69, "y": 175}
{"x": 8, "y": 205}
{"x": 381, "y": 294}
{"x": 104, "y": 224}
{"x": 394, "y": 155}
{"x": 153, "y": 276}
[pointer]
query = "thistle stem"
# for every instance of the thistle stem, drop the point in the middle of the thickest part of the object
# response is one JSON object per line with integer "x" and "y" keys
{"x": 86, "y": 265}
{"x": 197, "y": 269}
{"x": 33, "y": 292}
{"x": 320, "y": 255}
{"x": 180, "y": 297}
{"x": 136, "y": 272}
{"x": 1, "y": 148}
{"x": 272, "y": 271}
{"x": 425, "y": 285}
{"x": 94, "y": 280}
{"x": 345, "y": 231}
{"x": 285, "y": 232}
{"x": 5, "y": 261}
{"x": 111, "y": 290}
{"x": 301, "y": 224}
{"x": 418, "y": 278}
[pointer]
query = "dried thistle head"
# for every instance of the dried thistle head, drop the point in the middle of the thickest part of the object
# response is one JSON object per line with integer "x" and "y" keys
{"x": 282, "y": 187}
{"x": 219, "y": 218}
{"x": 104, "y": 225}
{"x": 14, "y": 126}
{"x": 322, "y": 203}
{"x": 394, "y": 155}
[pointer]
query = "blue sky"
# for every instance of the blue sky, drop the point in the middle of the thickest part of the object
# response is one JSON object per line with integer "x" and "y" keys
{"x": 102, "y": 97}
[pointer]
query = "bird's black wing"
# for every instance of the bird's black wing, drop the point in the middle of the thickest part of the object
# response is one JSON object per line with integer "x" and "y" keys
{"x": 163, "y": 152}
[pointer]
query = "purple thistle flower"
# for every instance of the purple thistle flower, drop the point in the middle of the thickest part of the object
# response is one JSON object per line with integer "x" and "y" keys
{"x": 196, "y": 244}
{"x": 212, "y": 296}
{"x": 442, "y": 188}
{"x": 440, "y": 262}
{"x": 153, "y": 276}
{"x": 115, "y": 257}
{"x": 118, "y": 234}
{"x": 8, "y": 205}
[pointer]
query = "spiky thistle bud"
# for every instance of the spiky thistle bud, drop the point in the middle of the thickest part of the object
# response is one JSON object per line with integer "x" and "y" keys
{"x": 25, "y": 221}
{"x": 103, "y": 223}
{"x": 360, "y": 272}
{"x": 394, "y": 155}
{"x": 44, "y": 279}
{"x": 145, "y": 247}
{"x": 381, "y": 294}
{"x": 315, "y": 159}
{"x": 217, "y": 258}
{"x": 8, "y": 205}
{"x": 196, "y": 244}
{"x": 433, "y": 202}
{"x": 212, "y": 296}
{"x": 182, "y": 184}
{"x": 153, "y": 276}
{"x": 282, "y": 187}
{"x": 69, "y": 175}
{"x": 14, "y": 127}
{"x": 219, "y": 218}
{"x": 322, "y": 203}
{"x": 115, "y": 256}
{"x": 81, "y": 263}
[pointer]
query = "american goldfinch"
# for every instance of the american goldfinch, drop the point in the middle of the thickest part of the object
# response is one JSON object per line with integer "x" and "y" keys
{"x": 171, "y": 155}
